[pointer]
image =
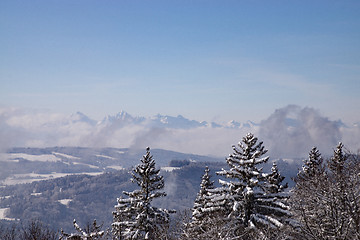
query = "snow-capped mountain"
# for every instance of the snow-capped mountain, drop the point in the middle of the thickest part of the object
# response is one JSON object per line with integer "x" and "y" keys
{"x": 80, "y": 117}
{"x": 288, "y": 132}
{"x": 121, "y": 118}
{"x": 178, "y": 122}
{"x": 165, "y": 121}
{"x": 247, "y": 124}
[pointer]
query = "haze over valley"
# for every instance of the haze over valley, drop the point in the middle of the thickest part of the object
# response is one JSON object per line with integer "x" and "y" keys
{"x": 288, "y": 132}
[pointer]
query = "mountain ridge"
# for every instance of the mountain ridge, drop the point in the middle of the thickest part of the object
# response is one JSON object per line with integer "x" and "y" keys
{"x": 181, "y": 122}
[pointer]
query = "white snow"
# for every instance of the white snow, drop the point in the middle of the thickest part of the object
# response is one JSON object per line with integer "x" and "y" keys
{"x": 64, "y": 155}
{"x": 4, "y": 157}
{"x": 116, "y": 167}
{"x": 169, "y": 169}
{"x": 36, "y": 194}
{"x": 33, "y": 177}
{"x": 5, "y": 197}
{"x": 104, "y": 156}
{"x": 30, "y": 157}
{"x": 89, "y": 165}
{"x": 3, "y": 212}
{"x": 65, "y": 201}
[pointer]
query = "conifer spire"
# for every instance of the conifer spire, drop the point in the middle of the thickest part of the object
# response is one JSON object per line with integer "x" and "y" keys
{"x": 255, "y": 196}
{"x": 135, "y": 217}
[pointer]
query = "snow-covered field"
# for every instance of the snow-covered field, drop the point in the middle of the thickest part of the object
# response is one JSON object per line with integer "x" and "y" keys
{"x": 54, "y": 157}
{"x": 65, "y": 201}
{"x": 64, "y": 155}
{"x": 41, "y": 158}
{"x": 3, "y": 214}
{"x": 33, "y": 177}
{"x": 169, "y": 169}
{"x": 36, "y": 194}
{"x": 89, "y": 165}
{"x": 116, "y": 167}
{"x": 104, "y": 156}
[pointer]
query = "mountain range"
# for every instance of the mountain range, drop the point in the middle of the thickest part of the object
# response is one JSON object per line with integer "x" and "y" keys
{"x": 160, "y": 121}
{"x": 289, "y": 132}
{"x": 123, "y": 118}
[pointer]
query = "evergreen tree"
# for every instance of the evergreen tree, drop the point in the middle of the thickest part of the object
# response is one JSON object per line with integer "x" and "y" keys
{"x": 123, "y": 216}
{"x": 252, "y": 204}
{"x": 210, "y": 214}
{"x": 198, "y": 213}
{"x": 134, "y": 217}
{"x": 337, "y": 161}
{"x": 200, "y": 224}
{"x": 274, "y": 181}
{"x": 339, "y": 225}
{"x": 313, "y": 166}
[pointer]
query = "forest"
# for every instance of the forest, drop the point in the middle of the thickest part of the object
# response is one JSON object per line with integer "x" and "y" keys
{"x": 239, "y": 200}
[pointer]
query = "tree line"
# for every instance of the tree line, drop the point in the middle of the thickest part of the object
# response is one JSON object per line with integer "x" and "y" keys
{"x": 248, "y": 204}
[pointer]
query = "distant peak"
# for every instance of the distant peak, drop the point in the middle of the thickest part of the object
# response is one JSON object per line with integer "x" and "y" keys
{"x": 81, "y": 117}
{"x": 122, "y": 113}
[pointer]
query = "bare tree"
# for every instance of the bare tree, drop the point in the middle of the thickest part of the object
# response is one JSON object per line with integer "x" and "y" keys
{"x": 36, "y": 230}
{"x": 90, "y": 232}
{"x": 8, "y": 233}
{"x": 326, "y": 198}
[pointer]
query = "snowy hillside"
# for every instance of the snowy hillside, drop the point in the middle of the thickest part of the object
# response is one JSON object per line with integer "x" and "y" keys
{"x": 25, "y": 165}
{"x": 59, "y": 200}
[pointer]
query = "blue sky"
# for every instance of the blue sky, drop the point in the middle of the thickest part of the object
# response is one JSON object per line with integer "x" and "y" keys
{"x": 207, "y": 60}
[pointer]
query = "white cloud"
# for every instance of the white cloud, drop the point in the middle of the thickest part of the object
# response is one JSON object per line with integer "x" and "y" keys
{"x": 290, "y": 131}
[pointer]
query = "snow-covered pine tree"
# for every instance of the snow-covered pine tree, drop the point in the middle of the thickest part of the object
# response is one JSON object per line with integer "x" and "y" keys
{"x": 209, "y": 213}
{"x": 252, "y": 205}
{"x": 200, "y": 223}
{"x": 274, "y": 181}
{"x": 313, "y": 166}
{"x": 134, "y": 217}
{"x": 337, "y": 161}
{"x": 198, "y": 213}
{"x": 123, "y": 216}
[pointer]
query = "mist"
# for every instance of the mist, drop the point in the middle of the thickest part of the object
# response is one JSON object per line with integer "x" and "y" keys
{"x": 292, "y": 131}
{"x": 289, "y": 132}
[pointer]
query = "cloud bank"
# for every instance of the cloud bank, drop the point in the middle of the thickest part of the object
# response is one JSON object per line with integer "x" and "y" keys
{"x": 289, "y": 132}
{"x": 292, "y": 131}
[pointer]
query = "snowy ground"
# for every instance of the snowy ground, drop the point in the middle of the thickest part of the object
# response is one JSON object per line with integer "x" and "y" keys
{"x": 3, "y": 214}
{"x": 64, "y": 155}
{"x": 116, "y": 167}
{"x": 65, "y": 201}
{"x": 33, "y": 177}
{"x": 85, "y": 164}
{"x": 41, "y": 158}
{"x": 169, "y": 169}
{"x": 104, "y": 156}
